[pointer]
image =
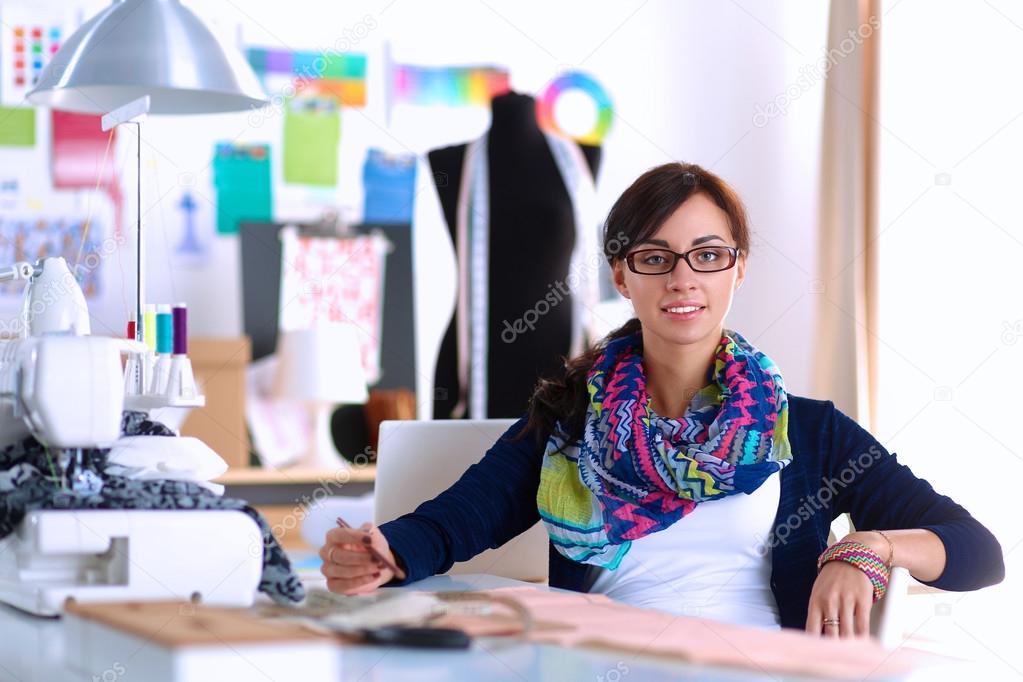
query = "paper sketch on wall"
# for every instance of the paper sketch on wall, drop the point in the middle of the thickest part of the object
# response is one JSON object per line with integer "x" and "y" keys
{"x": 82, "y": 157}
{"x": 29, "y": 238}
{"x": 389, "y": 181}
{"x": 192, "y": 248}
{"x": 242, "y": 176}
{"x": 328, "y": 280}
{"x": 9, "y": 193}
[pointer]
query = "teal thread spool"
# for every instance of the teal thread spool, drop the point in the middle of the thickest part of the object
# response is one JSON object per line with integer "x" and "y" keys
{"x": 164, "y": 330}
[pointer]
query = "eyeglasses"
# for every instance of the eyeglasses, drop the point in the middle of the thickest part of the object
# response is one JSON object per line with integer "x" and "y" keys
{"x": 663, "y": 261}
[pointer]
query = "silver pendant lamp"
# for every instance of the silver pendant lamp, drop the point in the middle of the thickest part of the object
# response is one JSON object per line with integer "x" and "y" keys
{"x": 158, "y": 48}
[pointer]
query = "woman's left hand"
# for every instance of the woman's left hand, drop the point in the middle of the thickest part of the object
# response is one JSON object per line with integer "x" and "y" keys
{"x": 841, "y": 591}
{"x": 844, "y": 592}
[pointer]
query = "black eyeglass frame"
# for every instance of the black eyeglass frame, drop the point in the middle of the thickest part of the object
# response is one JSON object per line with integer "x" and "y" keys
{"x": 733, "y": 253}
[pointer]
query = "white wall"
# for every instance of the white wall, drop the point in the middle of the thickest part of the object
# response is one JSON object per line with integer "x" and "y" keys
{"x": 686, "y": 79}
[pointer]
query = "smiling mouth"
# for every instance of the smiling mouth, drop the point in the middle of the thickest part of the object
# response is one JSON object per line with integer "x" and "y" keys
{"x": 683, "y": 310}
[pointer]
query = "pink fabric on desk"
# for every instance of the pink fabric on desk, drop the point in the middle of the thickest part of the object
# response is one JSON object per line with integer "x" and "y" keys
{"x": 596, "y": 621}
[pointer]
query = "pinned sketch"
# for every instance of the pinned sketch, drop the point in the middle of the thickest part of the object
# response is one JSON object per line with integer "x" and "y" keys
{"x": 82, "y": 157}
{"x": 9, "y": 193}
{"x": 241, "y": 173}
{"x": 17, "y": 127}
{"x": 312, "y": 135}
{"x": 192, "y": 250}
{"x": 389, "y": 181}
{"x": 330, "y": 280}
{"x": 29, "y": 238}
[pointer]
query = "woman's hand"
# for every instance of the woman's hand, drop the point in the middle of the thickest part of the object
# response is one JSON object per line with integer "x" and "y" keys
{"x": 844, "y": 592}
{"x": 349, "y": 566}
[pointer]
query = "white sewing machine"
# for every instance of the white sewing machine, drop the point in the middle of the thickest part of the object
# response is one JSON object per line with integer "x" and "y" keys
{"x": 67, "y": 389}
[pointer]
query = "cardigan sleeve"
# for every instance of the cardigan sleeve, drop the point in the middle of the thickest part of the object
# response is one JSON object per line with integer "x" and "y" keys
{"x": 492, "y": 502}
{"x": 880, "y": 493}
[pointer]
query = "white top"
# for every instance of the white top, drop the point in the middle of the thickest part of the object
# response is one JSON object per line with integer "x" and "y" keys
{"x": 713, "y": 563}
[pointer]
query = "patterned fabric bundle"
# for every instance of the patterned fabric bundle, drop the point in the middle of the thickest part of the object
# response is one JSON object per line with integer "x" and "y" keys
{"x": 634, "y": 472}
{"x": 27, "y": 482}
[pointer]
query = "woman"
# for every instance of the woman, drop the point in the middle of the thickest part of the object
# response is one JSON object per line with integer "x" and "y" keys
{"x": 672, "y": 470}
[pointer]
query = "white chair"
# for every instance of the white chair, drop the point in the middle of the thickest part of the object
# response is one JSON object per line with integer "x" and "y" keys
{"x": 417, "y": 460}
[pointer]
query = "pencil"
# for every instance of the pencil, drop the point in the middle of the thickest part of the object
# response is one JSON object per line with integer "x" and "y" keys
{"x": 398, "y": 573}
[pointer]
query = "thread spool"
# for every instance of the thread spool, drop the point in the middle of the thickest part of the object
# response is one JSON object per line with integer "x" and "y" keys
{"x": 149, "y": 326}
{"x": 180, "y": 329}
{"x": 164, "y": 330}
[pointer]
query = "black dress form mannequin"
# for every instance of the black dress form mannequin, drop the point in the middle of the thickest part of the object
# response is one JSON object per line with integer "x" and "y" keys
{"x": 531, "y": 237}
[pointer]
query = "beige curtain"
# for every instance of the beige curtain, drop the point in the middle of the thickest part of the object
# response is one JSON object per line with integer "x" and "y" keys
{"x": 845, "y": 357}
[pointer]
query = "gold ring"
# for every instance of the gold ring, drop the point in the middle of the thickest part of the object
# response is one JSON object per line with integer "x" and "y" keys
{"x": 831, "y": 621}
{"x": 330, "y": 555}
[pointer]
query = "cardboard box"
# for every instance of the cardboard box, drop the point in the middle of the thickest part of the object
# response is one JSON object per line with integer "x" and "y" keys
{"x": 219, "y": 365}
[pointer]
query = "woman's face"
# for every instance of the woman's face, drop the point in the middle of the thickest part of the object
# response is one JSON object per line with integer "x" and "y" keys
{"x": 657, "y": 299}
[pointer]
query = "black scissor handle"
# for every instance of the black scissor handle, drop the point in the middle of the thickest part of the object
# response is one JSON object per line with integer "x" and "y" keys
{"x": 423, "y": 638}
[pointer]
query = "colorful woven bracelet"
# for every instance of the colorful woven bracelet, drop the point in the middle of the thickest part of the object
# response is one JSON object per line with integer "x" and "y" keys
{"x": 862, "y": 557}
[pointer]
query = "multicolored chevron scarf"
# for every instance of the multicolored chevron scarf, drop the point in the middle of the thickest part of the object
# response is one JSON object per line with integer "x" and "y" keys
{"x": 634, "y": 472}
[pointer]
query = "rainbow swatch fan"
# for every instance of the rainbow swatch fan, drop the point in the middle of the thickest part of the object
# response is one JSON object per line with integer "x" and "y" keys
{"x": 575, "y": 80}
{"x": 447, "y": 85}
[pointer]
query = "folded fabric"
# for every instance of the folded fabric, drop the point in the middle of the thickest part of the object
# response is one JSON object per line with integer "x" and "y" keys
{"x": 158, "y": 457}
{"x": 595, "y": 621}
{"x": 28, "y": 482}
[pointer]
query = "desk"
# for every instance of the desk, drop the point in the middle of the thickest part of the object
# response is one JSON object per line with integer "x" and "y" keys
{"x": 33, "y": 650}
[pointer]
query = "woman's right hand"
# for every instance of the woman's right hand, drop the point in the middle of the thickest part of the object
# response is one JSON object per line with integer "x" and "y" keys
{"x": 349, "y": 566}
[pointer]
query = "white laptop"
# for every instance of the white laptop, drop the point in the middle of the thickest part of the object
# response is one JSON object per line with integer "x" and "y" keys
{"x": 417, "y": 460}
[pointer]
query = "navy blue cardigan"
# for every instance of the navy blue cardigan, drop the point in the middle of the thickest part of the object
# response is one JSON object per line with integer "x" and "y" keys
{"x": 837, "y": 467}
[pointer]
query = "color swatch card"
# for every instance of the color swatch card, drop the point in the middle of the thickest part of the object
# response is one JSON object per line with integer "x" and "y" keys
{"x": 447, "y": 85}
{"x": 241, "y": 174}
{"x": 341, "y": 77}
{"x": 29, "y": 37}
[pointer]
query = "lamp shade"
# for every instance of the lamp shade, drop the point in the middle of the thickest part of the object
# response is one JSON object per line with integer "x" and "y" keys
{"x": 158, "y": 48}
{"x": 322, "y": 365}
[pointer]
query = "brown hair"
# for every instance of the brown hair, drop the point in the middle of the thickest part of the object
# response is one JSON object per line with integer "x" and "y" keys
{"x": 637, "y": 214}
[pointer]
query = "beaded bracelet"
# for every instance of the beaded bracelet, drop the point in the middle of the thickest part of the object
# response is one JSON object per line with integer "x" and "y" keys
{"x": 862, "y": 557}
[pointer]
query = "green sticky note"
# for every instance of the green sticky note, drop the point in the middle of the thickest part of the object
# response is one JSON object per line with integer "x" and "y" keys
{"x": 310, "y": 147}
{"x": 17, "y": 127}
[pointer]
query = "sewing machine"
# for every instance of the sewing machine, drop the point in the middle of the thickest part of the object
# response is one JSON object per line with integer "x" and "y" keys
{"x": 67, "y": 389}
